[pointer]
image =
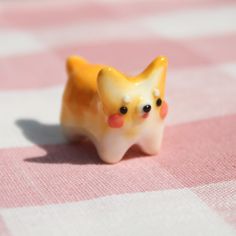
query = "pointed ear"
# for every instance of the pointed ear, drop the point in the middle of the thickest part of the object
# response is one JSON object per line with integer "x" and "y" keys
{"x": 73, "y": 63}
{"x": 155, "y": 74}
{"x": 111, "y": 84}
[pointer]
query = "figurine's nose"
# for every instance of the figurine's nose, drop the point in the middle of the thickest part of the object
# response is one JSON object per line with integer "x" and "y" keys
{"x": 147, "y": 108}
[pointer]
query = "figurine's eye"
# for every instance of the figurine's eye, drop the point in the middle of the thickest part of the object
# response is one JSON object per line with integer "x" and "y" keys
{"x": 158, "y": 102}
{"x": 123, "y": 110}
{"x": 147, "y": 108}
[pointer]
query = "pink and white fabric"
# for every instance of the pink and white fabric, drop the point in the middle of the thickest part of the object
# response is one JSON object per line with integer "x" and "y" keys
{"x": 49, "y": 187}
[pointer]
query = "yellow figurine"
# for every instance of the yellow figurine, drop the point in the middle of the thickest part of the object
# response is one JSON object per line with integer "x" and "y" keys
{"x": 113, "y": 110}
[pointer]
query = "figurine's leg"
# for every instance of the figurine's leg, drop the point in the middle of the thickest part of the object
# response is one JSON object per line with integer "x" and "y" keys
{"x": 112, "y": 152}
{"x": 151, "y": 144}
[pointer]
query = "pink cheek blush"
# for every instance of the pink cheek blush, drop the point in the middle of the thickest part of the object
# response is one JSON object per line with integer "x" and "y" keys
{"x": 116, "y": 121}
{"x": 164, "y": 110}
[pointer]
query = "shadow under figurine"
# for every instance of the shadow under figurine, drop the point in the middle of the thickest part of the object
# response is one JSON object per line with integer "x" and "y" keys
{"x": 113, "y": 110}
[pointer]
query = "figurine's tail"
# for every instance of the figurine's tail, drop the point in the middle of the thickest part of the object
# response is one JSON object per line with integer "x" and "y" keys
{"x": 74, "y": 63}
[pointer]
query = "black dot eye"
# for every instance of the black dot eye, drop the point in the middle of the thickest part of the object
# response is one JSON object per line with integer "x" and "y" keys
{"x": 158, "y": 102}
{"x": 147, "y": 108}
{"x": 123, "y": 110}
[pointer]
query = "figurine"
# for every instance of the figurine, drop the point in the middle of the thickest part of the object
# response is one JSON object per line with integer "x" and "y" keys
{"x": 113, "y": 110}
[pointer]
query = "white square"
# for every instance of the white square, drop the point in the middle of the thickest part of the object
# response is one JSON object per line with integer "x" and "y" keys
{"x": 171, "y": 212}
{"x": 14, "y": 42}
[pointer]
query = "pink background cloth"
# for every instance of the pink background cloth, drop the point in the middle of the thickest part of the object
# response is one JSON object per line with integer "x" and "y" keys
{"x": 50, "y": 187}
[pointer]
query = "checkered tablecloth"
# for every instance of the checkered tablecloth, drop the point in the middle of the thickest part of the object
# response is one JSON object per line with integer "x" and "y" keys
{"x": 49, "y": 187}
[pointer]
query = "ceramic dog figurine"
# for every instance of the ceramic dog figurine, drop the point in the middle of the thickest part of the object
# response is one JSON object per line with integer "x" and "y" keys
{"x": 113, "y": 110}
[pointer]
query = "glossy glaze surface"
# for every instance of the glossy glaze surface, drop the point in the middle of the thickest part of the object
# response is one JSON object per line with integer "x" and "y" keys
{"x": 113, "y": 110}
